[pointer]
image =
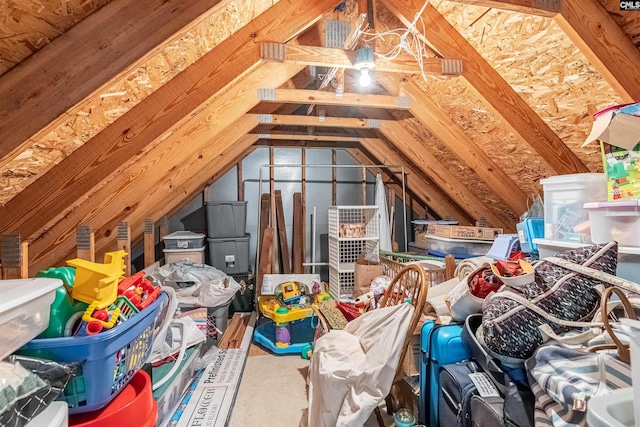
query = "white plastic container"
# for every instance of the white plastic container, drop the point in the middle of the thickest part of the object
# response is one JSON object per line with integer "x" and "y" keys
{"x": 55, "y": 415}
{"x": 184, "y": 240}
{"x": 619, "y": 221}
{"x": 628, "y": 257}
{"x": 564, "y": 197}
{"x": 24, "y": 311}
{"x": 460, "y": 248}
{"x": 195, "y": 256}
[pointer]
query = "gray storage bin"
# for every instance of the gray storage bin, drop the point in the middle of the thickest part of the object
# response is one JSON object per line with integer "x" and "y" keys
{"x": 230, "y": 255}
{"x": 226, "y": 219}
{"x": 184, "y": 240}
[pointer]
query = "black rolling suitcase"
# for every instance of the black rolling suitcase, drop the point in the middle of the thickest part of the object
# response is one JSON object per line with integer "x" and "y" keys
{"x": 515, "y": 405}
{"x": 456, "y": 391}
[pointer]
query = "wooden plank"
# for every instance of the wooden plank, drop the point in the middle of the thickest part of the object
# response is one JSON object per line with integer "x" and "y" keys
{"x": 297, "y": 249}
{"x": 124, "y": 243}
{"x": 239, "y": 180}
{"x": 500, "y": 97}
{"x": 363, "y": 195}
{"x": 341, "y": 58}
{"x": 265, "y": 267}
{"x": 63, "y": 73}
{"x": 163, "y": 227}
{"x": 149, "y": 242}
{"x": 306, "y": 137}
{"x": 316, "y": 121}
{"x": 85, "y": 243}
{"x": 454, "y": 138}
{"x": 548, "y": 9}
{"x": 232, "y": 337}
{"x": 11, "y": 256}
{"x": 588, "y": 24}
{"x": 265, "y": 214}
{"x": 300, "y": 96}
{"x": 272, "y": 199}
{"x": 304, "y": 206}
{"x": 24, "y": 260}
{"x": 276, "y": 143}
{"x": 282, "y": 235}
{"x": 127, "y": 138}
{"x": 334, "y": 179}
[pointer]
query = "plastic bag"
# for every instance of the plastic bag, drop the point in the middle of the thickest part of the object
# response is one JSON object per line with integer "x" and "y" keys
{"x": 207, "y": 286}
{"x": 27, "y": 386}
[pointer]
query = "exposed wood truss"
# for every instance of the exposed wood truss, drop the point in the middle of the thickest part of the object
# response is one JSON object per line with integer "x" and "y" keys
{"x": 499, "y": 95}
{"x": 171, "y": 105}
{"x": 331, "y": 57}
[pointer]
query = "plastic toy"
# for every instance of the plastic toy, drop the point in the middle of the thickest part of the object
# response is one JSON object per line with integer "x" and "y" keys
{"x": 98, "y": 282}
{"x": 127, "y": 309}
{"x": 88, "y": 328}
{"x": 63, "y": 306}
{"x": 138, "y": 290}
{"x": 290, "y": 312}
{"x": 105, "y": 318}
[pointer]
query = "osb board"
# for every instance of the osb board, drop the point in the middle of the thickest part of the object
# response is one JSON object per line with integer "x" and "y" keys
{"x": 95, "y": 113}
{"x": 28, "y": 25}
{"x": 543, "y": 66}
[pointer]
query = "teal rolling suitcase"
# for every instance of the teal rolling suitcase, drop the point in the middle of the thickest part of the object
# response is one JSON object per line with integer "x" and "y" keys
{"x": 439, "y": 345}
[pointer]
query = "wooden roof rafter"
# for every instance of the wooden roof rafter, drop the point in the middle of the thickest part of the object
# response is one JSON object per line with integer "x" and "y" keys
{"x": 500, "y": 97}
{"x": 440, "y": 125}
{"x": 171, "y": 105}
{"x": 42, "y": 92}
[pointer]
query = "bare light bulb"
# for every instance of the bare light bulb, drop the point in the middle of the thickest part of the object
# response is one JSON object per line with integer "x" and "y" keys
{"x": 365, "y": 78}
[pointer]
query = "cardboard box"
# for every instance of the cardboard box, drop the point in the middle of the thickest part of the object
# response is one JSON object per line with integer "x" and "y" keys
{"x": 363, "y": 273}
{"x": 618, "y": 131}
{"x": 463, "y": 232}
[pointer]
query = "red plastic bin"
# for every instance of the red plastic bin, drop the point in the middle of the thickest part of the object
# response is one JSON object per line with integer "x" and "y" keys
{"x": 134, "y": 406}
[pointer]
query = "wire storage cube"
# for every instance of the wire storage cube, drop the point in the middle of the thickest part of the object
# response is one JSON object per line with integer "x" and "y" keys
{"x": 106, "y": 361}
{"x": 352, "y": 231}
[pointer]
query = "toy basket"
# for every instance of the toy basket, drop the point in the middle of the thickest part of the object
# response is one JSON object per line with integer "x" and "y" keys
{"x": 106, "y": 361}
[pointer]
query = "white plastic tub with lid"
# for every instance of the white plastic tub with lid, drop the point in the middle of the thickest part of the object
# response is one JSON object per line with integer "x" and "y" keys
{"x": 618, "y": 220}
{"x": 24, "y": 311}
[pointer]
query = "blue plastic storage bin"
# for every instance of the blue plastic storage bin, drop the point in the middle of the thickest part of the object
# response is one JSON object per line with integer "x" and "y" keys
{"x": 529, "y": 229}
{"x": 107, "y": 361}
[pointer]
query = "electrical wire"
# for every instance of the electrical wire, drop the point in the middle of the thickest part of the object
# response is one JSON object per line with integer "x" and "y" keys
{"x": 409, "y": 41}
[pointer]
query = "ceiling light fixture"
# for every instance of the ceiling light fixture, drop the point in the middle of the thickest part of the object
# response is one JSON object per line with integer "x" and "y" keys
{"x": 364, "y": 63}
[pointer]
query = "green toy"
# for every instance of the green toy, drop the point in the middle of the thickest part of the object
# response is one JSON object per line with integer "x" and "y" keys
{"x": 63, "y": 306}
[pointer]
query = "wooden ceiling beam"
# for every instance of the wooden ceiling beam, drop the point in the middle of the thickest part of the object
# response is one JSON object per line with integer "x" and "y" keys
{"x": 317, "y": 121}
{"x": 454, "y": 138}
{"x": 306, "y": 144}
{"x": 485, "y": 81}
{"x": 546, "y": 8}
{"x": 307, "y": 137}
{"x": 177, "y": 155}
{"x": 300, "y": 96}
{"x": 116, "y": 38}
{"x": 342, "y": 58}
{"x": 153, "y": 119}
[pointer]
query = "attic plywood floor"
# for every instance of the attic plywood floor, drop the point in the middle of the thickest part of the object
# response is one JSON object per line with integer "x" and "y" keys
{"x": 273, "y": 392}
